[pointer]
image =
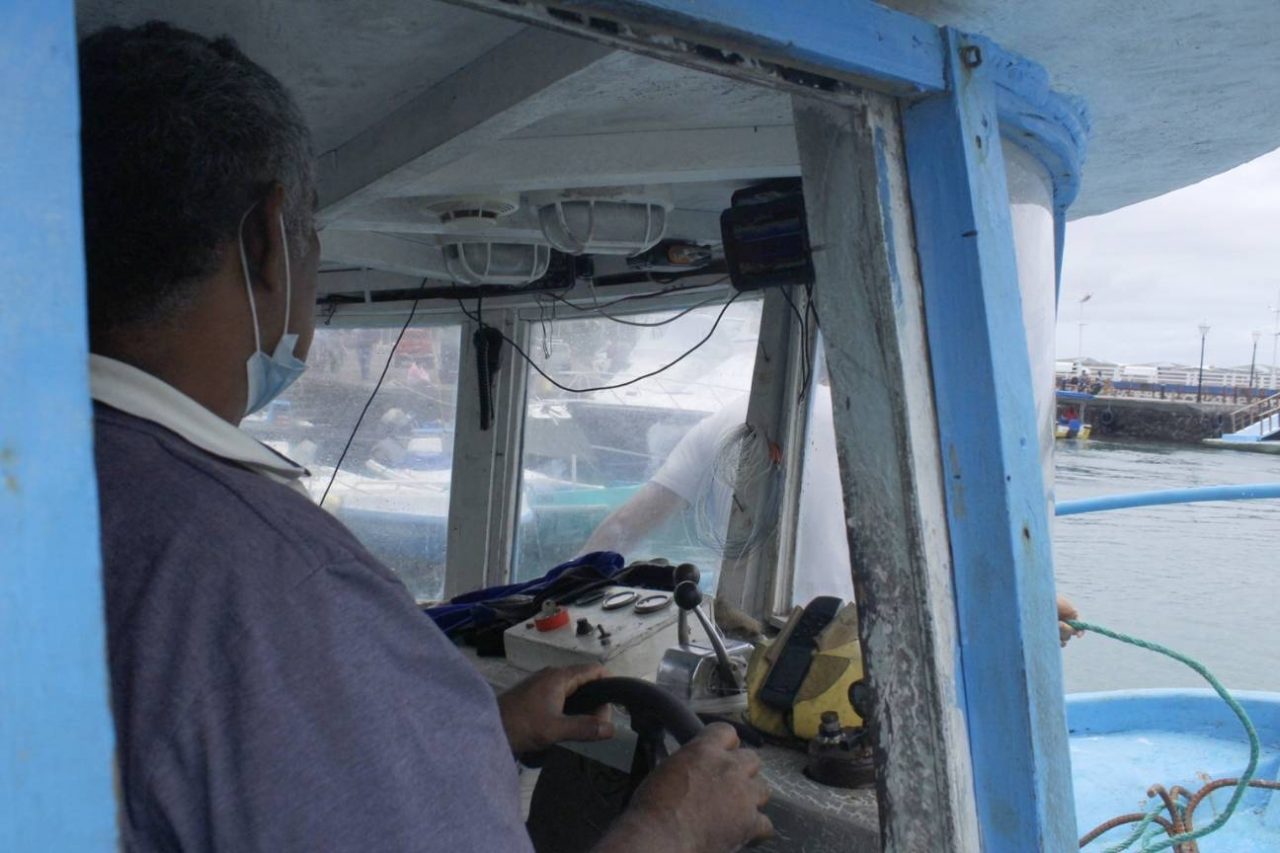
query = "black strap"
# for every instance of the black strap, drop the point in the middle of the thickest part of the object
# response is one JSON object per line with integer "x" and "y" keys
{"x": 488, "y": 344}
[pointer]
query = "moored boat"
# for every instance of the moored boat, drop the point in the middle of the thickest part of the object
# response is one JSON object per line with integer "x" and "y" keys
{"x": 1069, "y": 420}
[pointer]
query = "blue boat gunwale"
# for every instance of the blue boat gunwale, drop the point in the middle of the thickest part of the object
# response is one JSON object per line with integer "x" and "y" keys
{"x": 1196, "y": 717}
{"x": 1112, "y": 711}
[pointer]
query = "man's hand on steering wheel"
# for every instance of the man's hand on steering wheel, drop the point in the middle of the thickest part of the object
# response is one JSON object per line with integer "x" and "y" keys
{"x": 533, "y": 711}
{"x": 705, "y": 798}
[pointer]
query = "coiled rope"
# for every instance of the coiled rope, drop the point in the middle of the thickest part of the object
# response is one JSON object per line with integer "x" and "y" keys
{"x": 1179, "y": 828}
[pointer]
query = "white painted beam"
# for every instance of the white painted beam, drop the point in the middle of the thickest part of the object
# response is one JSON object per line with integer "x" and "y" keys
{"x": 411, "y": 216}
{"x": 382, "y": 252}
{"x": 405, "y": 216}
{"x": 484, "y": 497}
{"x": 747, "y": 580}
{"x": 619, "y": 159}
{"x": 510, "y": 87}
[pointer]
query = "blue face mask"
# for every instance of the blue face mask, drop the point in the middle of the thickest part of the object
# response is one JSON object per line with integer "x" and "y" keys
{"x": 269, "y": 375}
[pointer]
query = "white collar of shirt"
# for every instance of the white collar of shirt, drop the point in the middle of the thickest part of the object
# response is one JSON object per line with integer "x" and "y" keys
{"x": 135, "y": 392}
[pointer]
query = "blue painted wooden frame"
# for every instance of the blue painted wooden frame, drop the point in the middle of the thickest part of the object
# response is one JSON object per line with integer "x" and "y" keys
{"x": 996, "y": 507}
{"x": 55, "y": 729}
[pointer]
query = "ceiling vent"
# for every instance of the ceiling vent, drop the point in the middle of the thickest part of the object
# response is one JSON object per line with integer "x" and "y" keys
{"x": 587, "y": 222}
{"x": 496, "y": 263}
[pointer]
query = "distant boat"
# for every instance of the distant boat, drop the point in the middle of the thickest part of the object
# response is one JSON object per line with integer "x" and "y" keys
{"x": 1070, "y": 420}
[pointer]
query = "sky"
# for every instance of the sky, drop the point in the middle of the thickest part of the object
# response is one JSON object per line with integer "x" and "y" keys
{"x": 1207, "y": 253}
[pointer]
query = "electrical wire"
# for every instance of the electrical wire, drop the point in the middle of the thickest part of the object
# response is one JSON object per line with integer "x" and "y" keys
{"x": 806, "y": 354}
{"x": 656, "y": 293}
{"x": 744, "y": 461}
{"x": 542, "y": 322}
{"x": 595, "y": 303}
{"x": 595, "y": 309}
{"x": 476, "y": 318}
{"x": 377, "y": 386}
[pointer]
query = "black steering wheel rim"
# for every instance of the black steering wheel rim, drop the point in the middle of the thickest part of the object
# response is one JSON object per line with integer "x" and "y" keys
{"x": 647, "y": 704}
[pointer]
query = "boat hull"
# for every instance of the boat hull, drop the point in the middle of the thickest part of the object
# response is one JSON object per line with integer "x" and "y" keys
{"x": 1124, "y": 742}
{"x": 1065, "y": 431}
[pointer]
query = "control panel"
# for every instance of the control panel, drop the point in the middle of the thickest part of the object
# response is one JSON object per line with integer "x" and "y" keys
{"x": 628, "y": 630}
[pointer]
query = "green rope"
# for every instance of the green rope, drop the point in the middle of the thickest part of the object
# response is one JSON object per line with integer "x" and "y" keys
{"x": 1254, "y": 745}
{"x": 1139, "y": 832}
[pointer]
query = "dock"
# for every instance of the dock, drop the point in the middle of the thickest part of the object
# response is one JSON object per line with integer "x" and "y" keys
{"x": 1177, "y": 421}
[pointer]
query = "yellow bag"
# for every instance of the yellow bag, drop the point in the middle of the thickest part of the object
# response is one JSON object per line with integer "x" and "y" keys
{"x": 836, "y": 665}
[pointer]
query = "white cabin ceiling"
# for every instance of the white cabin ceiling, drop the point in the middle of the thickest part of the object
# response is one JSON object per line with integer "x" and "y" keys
{"x": 412, "y": 100}
{"x": 347, "y": 63}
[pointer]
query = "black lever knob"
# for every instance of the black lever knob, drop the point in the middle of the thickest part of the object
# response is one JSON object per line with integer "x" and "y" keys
{"x": 687, "y": 595}
{"x": 687, "y": 572}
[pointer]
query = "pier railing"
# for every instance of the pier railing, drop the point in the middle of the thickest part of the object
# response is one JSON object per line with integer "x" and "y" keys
{"x": 1254, "y": 412}
{"x": 1216, "y": 394}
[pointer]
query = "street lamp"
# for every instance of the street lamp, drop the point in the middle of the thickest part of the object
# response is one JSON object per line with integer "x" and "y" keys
{"x": 1080, "y": 329}
{"x": 1204, "y": 332}
{"x": 1253, "y": 363}
{"x": 1275, "y": 341}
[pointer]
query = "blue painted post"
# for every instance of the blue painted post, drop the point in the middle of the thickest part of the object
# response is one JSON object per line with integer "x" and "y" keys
{"x": 55, "y": 727}
{"x": 996, "y": 506}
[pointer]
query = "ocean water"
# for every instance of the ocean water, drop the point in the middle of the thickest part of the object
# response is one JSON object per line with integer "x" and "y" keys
{"x": 1201, "y": 578}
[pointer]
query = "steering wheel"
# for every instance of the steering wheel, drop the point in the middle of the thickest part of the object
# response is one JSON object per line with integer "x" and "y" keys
{"x": 654, "y": 712}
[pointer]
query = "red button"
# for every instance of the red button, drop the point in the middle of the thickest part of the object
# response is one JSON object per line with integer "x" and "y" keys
{"x": 556, "y": 620}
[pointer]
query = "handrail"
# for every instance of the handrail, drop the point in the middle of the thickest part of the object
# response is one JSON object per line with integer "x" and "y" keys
{"x": 1246, "y": 415}
{"x": 1243, "y": 492}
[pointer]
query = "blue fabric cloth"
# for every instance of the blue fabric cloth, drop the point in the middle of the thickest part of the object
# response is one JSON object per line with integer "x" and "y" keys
{"x": 472, "y": 609}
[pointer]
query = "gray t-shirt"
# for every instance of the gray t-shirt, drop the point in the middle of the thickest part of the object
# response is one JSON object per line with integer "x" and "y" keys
{"x": 274, "y": 687}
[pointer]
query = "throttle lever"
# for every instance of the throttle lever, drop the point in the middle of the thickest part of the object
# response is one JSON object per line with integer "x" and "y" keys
{"x": 688, "y": 598}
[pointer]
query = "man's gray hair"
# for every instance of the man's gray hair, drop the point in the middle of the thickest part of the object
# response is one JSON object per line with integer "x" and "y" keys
{"x": 180, "y": 136}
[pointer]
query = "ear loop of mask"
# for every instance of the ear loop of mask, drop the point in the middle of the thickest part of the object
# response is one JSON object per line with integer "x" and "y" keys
{"x": 288, "y": 277}
{"x": 248, "y": 285}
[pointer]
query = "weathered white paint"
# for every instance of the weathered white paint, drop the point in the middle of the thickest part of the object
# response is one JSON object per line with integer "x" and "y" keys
{"x": 870, "y": 306}
{"x": 1031, "y": 215}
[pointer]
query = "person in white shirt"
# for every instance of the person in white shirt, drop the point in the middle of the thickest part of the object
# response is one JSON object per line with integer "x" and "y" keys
{"x": 687, "y": 479}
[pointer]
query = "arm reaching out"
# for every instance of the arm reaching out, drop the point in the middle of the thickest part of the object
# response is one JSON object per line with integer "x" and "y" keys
{"x": 629, "y": 523}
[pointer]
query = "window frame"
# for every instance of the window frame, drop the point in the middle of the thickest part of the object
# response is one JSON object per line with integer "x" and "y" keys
{"x": 484, "y": 505}
{"x": 392, "y": 315}
{"x": 672, "y": 301}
